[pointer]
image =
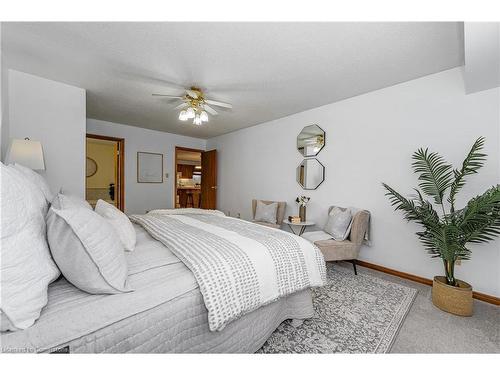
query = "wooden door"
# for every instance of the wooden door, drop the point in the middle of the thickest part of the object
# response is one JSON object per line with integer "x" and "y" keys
{"x": 209, "y": 179}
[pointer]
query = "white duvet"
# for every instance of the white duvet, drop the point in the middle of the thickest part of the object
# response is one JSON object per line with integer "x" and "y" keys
{"x": 239, "y": 266}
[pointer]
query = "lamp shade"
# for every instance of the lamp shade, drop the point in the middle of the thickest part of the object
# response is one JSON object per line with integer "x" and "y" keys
{"x": 26, "y": 152}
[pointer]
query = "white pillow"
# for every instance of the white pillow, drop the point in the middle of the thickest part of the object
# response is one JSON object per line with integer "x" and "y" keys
{"x": 37, "y": 180}
{"x": 119, "y": 221}
{"x": 62, "y": 201}
{"x": 339, "y": 223}
{"x": 266, "y": 212}
{"x": 26, "y": 267}
{"x": 87, "y": 250}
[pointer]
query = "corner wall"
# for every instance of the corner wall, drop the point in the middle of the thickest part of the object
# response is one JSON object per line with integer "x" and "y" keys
{"x": 4, "y": 103}
{"x": 54, "y": 114}
{"x": 140, "y": 197}
{"x": 370, "y": 139}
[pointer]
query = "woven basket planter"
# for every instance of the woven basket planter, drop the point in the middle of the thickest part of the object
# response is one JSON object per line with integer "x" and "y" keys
{"x": 453, "y": 299}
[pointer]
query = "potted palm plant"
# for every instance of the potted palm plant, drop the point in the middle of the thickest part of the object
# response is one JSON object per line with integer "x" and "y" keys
{"x": 447, "y": 231}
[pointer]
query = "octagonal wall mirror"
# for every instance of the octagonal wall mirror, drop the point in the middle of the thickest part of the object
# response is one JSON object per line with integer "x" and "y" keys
{"x": 311, "y": 140}
{"x": 310, "y": 174}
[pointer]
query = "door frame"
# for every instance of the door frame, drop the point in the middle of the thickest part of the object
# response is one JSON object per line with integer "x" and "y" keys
{"x": 177, "y": 148}
{"x": 121, "y": 164}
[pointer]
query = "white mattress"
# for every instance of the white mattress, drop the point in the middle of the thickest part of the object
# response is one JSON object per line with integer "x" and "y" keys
{"x": 165, "y": 313}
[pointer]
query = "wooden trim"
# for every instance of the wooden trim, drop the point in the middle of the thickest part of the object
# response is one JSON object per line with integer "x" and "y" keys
{"x": 121, "y": 165}
{"x": 477, "y": 295}
{"x": 486, "y": 298}
{"x": 187, "y": 149}
{"x": 177, "y": 148}
{"x": 390, "y": 271}
{"x": 162, "y": 168}
{"x": 104, "y": 137}
{"x": 121, "y": 173}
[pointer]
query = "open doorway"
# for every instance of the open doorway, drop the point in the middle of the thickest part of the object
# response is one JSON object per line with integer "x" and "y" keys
{"x": 187, "y": 178}
{"x": 104, "y": 170}
{"x": 195, "y": 180}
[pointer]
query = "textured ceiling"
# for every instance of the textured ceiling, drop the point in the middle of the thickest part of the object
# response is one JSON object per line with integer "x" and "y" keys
{"x": 266, "y": 70}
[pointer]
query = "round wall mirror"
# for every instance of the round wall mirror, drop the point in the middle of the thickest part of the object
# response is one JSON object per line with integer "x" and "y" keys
{"x": 310, "y": 174}
{"x": 91, "y": 167}
{"x": 311, "y": 140}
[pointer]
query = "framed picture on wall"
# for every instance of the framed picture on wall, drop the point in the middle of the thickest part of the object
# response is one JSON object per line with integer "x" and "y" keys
{"x": 149, "y": 167}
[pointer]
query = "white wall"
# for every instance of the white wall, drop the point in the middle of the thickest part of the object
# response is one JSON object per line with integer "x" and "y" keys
{"x": 54, "y": 114}
{"x": 140, "y": 197}
{"x": 482, "y": 56}
{"x": 4, "y": 129}
{"x": 370, "y": 139}
{"x": 4, "y": 116}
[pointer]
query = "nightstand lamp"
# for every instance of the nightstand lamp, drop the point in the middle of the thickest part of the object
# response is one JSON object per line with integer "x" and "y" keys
{"x": 27, "y": 153}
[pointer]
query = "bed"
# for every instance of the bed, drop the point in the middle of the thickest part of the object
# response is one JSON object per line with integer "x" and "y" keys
{"x": 165, "y": 313}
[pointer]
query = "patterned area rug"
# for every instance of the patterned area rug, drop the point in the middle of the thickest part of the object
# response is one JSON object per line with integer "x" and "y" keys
{"x": 352, "y": 314}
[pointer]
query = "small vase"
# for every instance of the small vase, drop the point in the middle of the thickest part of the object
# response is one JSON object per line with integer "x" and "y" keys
{"x": 302, "y": 213}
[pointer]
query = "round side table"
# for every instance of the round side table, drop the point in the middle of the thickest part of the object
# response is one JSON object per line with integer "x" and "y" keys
{"x": 302, "y": 226}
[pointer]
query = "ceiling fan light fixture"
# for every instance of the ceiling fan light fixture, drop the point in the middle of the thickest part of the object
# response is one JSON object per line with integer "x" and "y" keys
{"x": 195, "y": 105}
{"x": 197, "y": 120}
{"x": 183, "y": 116}
{"x": 190, "y": 112}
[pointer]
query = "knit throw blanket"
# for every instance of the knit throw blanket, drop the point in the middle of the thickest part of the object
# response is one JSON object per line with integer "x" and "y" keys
{"x": 239, "y": 266}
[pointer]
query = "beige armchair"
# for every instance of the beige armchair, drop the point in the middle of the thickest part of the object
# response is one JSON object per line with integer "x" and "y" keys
{"x": 348, "y": 249}
{"x": 280, "y": 213}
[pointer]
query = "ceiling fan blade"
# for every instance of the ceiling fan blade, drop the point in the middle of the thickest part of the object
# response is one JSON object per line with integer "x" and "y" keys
{"x": 192, "y": 93}
{"x": 219, "y": 104}
{"x": 182, "y": 105}
{"x": 168, "y": 96}
{"x": 209, "y": 109}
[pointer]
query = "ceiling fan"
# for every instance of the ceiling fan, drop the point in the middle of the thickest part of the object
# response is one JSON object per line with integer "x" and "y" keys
{"x": 195, "y": 106}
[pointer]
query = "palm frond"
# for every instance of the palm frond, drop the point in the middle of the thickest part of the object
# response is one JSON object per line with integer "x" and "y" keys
{"x": 435, "y": 175}
{"x": 420, "y": 211}
{"x": 429, "y": 216}
{"x": 403, "y": 204}
{"x": 438, "y": 239}
{"x": 479, "y": 221}
{"x": 471, "y": 164}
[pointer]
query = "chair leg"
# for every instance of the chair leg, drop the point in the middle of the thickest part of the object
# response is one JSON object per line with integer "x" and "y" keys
{"x": 353, "y": 261}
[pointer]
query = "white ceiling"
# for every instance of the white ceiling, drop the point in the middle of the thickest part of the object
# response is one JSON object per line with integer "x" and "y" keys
{"x": 266, "y": 70}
